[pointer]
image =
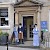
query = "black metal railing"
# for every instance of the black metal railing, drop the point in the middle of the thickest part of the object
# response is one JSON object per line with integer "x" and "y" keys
{"x": 46, "y": 42}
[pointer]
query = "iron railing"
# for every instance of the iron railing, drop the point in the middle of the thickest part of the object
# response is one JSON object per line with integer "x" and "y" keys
{"x": 46, "y": 42}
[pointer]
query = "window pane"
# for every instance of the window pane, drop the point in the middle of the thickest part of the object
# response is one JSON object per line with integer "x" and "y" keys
{"x": 3, "y": 12}
{"x": 4, "y": 22}
{"x": 3, "y": 17}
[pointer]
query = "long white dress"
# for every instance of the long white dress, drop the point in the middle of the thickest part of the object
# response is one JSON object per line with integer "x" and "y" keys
{"x": 35, "y": 37}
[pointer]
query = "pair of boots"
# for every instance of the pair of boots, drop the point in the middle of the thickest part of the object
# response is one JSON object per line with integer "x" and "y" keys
{"x": 21, "y": 41}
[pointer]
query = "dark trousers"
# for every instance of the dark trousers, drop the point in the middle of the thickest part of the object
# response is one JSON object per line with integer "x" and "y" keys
{"x": 41, "y": 38}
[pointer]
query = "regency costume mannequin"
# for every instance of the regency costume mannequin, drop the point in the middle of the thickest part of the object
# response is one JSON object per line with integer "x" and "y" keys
{"x": 35, "y": 36}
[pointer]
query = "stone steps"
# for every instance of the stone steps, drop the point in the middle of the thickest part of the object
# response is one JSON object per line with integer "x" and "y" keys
{"x": 27, "y": 44}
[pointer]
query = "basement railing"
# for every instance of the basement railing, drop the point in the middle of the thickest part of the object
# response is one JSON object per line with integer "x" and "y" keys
{"x": 45, "y": 45}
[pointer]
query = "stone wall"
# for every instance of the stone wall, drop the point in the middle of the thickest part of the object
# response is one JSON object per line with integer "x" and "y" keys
{"x": 9, "y": 28}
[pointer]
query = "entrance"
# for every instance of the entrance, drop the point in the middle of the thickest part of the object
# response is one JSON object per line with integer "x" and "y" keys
{"x": 27, "y": 24}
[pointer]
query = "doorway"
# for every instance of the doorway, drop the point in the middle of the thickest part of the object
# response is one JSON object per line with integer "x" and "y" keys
{"x": 27, "y": 25}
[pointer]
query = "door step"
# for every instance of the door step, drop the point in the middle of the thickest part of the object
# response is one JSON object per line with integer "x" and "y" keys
{"x": 27, "y": 44}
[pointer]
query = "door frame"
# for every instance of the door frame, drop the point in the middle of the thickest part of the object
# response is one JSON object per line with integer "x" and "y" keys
{"x": 33, "y": 23}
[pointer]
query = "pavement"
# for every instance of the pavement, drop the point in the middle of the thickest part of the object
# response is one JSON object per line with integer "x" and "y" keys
{"x": 26, "y": 46}
{"x": 16, "y": 48}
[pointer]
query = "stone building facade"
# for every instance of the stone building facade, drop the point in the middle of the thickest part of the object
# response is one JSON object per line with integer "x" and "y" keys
{"x": 27, "y": 12}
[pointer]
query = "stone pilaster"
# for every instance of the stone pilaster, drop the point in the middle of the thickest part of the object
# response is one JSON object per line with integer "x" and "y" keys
{"x": 39, "y": 19}
{"x": 16, "y": 20}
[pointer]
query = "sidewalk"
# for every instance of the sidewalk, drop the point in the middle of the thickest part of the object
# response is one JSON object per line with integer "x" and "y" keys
{"x": 15, "y": 48}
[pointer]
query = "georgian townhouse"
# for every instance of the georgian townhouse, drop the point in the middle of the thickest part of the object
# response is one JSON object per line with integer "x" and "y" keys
{"x": 27, "y": 12}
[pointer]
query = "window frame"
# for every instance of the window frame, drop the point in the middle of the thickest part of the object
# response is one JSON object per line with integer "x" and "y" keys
{"x": 6, "y": 26}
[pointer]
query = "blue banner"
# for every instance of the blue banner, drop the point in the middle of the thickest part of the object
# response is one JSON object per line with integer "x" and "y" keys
{"x": 43, "y": 24}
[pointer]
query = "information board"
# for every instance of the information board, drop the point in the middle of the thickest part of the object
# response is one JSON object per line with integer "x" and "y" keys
{"x": 43, "y": 24}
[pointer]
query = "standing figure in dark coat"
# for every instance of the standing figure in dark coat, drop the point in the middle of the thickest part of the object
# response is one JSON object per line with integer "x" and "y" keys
{"x": 20, "y": 31}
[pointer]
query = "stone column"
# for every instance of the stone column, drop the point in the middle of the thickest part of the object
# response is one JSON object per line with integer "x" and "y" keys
{"x": 16, "y": 20}
{"x": 39, "y": 19}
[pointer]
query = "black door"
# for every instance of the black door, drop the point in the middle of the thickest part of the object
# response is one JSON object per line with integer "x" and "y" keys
{"x": 25, "y": 19}
{"x": 25, "y": 28}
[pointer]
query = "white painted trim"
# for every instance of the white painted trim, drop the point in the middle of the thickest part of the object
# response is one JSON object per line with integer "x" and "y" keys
{"x": 4, "y": 27}
{"x": 6, "y": 3}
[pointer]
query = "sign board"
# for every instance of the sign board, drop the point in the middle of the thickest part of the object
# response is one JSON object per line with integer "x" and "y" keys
{"x": 44, "y": 25}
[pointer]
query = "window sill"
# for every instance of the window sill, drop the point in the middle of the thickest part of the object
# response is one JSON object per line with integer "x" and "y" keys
{"x": 4, "y": 27}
